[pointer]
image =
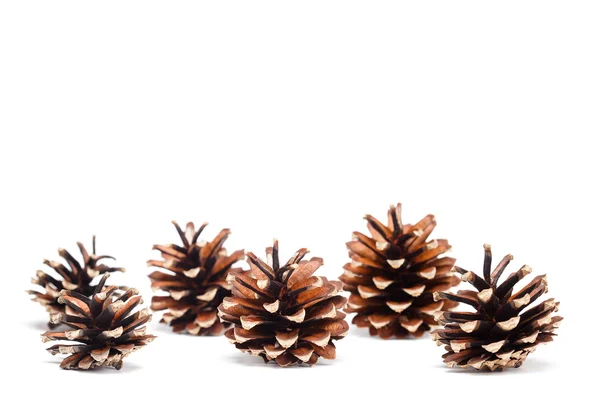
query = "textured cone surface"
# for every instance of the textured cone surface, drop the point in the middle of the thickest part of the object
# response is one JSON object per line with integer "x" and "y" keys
{"x": 393, "y": 275}
{"x": 284, "y": 313}
{"x": 105, "y": 327}
{"x": 70, "y": 275}
{"x": 505, "y": 325}
{"x": 194, "y": 276}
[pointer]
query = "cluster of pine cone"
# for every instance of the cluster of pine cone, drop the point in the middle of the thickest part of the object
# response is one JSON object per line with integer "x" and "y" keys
{"x": 104, "y": 325}
{"x": 398, "y": 278}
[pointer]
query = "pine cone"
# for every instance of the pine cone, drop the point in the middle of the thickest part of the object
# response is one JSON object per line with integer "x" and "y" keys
{"x": 498, "y": 334}
{"x": 284, "y": 313}
{"x": 393, "y": 275}
{"x": 106, "y": 330}
{"x": 77, "y": 278}
{"x": 195, "y": 281}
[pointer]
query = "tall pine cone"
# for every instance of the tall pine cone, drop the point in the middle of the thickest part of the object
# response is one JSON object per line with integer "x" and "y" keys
{"x": 77, "y": 277}
{"x": 284, "y": 313}
{"x": 195, "y": 279}
{"x": 393, "y": 275}
{"x": 499, "y": 333}
{"x": 106, "y": 329}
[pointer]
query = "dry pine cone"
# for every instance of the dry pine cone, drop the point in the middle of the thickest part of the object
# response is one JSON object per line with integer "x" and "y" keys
{"x": 393, "y": 275}
{"x": 285, "y": 313}
{"x": 195, "y": 279}
{"x": 106, "y": 329}
{"x": 499, "y": 333}
{"x": 77, "y": 277}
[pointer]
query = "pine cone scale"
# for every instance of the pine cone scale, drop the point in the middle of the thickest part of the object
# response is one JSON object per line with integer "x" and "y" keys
{"x": 224, "y": 263}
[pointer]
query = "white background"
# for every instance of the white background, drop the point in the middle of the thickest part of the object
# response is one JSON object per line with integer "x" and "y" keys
{"x": 292, "y": 120}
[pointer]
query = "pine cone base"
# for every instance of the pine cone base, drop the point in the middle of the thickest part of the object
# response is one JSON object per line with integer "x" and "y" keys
{"x": 195, "y": 322}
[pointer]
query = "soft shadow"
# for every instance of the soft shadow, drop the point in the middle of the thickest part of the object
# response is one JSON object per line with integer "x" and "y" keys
{"x": 248, "y": 360}
{"x": 364, "y": 333}
{"x": 40, "y": 326}
{"x": 532, "y": 366}
{"x": 167, "y": 330}
{"x": 127, "y": 367}
{"x": 467, "y": 371}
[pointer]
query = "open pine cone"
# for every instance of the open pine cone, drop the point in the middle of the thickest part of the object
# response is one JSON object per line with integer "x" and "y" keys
{"x": 77, "y": 277}
{"x": 195, "y": 279}
{"x": 393, "y": 275}
{"x": 284, "y": 313}
{"x": 106, "y": 329}
{"x": 499, "y": 333}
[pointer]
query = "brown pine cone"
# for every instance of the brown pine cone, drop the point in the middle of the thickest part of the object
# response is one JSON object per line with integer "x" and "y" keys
{"x": 77, "y": 277}
{"x": 195, "y": 279}
{"x": 106, "y": 329}
{"x": 499, "y": 333}
{"x": 393, "y": 275}
{"x": 284, "y": 313}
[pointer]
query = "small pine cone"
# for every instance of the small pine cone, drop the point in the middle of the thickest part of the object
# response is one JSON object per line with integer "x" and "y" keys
{"x": 284, "y": 313}
{"x": 195, "y": 280}
{"x": 393, "y": 275}
{"x": 77, "y": 277}
{"x": 499, "y": 333}
{"x": 105, "y": 327}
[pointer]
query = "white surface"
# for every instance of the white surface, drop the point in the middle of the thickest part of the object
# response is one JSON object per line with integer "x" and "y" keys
{"x": 292, "y": 120}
